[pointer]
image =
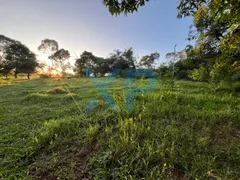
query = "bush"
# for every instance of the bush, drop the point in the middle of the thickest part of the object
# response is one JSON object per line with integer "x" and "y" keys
{"x": 200, "y": 74}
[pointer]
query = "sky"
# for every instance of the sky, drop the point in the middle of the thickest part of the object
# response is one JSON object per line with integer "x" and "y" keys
{"x": 79, "y": 25}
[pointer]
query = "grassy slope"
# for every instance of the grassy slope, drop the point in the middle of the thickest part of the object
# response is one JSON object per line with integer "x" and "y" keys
{"x": 190, "y": 133}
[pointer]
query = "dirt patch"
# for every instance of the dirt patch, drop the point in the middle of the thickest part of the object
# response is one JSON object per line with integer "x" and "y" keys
{"x": 70, "y": 161}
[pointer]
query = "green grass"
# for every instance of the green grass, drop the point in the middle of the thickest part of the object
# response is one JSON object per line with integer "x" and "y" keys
{"x": 190, "y": 133}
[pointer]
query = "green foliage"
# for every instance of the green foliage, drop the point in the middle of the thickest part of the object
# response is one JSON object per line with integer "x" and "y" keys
{"x": 58, "y": 129}
{"x": 226, "y": 87}
{"x": 48, "y": 46}
{"x": 122, "y": 59}
{"x": 200, "y": 74}
{"x": 149, "y": 60}
{"x": 56, "y": 55}
{"x": 216, "y": 28}
{"x": 236, "y": 87}
{"x": 60, "y": 58}
{"x": 126, "y": 6}
{"x": 85, "y": 61}
{"x": 16, "y": 56}
{"x": 189, "y": 7}
{"x": 100, "y": 66}
{"x": 19, "y": 58}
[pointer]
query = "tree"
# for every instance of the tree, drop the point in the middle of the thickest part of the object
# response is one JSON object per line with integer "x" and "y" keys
{"x": 19, "y": 58}
{"x": 149, "y": 60}
{"x": 101, "y": 66}
{"x": 29, "y": 64}
{"x": 216, "y": 28}
{"x": 40, "y": 68}
{"x": 4, "y": 42}
{"x": 5, "y": 69}
{"x": 122, "y": 59}
{"x": 49, "y": 46}
{"x": 163, "y": 70}
{"x": 85, "y": 61}
{"x": 56, "y": 55}
{"x": 60, "y": 57}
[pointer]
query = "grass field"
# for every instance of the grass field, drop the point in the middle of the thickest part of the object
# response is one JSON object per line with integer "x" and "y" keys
{"x": 192, "y": 132}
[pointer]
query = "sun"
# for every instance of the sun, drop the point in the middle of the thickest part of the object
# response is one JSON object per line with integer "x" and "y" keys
{"x": 44, "y": 58}
{"x": 54, "y": 72}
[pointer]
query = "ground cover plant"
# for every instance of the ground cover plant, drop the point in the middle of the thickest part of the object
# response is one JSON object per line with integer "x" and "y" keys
{"x": 191, "y": 132}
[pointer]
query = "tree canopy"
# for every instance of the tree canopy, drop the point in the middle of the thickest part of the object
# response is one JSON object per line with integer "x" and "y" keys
{"x": 19, "y": 58}
{"x": 56, "y": 55}
{"x": 126, "y": 6}
{"x": 149, "y": 60}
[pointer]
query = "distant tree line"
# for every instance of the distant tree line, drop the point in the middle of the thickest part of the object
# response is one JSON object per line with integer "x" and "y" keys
{"x": 117, "y": 60}
{"x": 17, "y": 58}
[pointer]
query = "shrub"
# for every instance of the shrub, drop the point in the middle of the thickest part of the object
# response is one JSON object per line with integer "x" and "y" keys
{"x": 200, "y": 74}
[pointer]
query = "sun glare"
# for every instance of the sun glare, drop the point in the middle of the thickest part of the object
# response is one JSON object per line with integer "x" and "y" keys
{"x": 54, "y": 72}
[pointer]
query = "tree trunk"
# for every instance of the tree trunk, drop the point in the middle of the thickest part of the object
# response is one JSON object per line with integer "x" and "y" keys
{"x": 15, "y": 75}
{"x": 81, "y": 73}
{"x": 28, "y": 75}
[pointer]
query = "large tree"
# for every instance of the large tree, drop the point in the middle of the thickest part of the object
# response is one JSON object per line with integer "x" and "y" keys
{"x": 19, "y": 58}
{"x": 122, "y": 59}
{"x": 216, "y": 28}
{"x": 101, "y": 66}
{"x": 60, "y": 57}
{"x": 29, "y": 64}
{"x": 56, "y": 55}
{"x": 84, "y": 62}
{"x": 49, "y": 47}
{"x": 4, "y": 42}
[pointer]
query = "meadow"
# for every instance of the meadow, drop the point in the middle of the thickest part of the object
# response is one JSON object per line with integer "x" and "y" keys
{"x": 190, "y": 132}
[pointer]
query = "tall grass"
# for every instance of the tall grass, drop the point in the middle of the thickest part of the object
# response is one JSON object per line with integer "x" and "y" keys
{"x": 191, "y": 132}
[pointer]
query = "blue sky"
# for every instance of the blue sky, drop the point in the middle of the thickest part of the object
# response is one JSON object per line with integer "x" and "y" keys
{"x": 80, "y": 25}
